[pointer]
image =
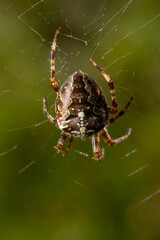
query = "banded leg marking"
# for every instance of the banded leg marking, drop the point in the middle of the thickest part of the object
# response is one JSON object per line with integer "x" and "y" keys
{"x": 52, "y": 74}
{"x": 111, "y": 86}
{"x": 69, "y": 145}
{"x": 120, "y": 113}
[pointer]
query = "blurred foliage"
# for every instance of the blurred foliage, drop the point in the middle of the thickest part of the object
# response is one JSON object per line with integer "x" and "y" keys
{"x": 42, "y": 194}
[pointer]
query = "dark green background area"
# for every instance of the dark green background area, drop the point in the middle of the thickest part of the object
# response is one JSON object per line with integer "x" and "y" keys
{"x": 42, "y": 194}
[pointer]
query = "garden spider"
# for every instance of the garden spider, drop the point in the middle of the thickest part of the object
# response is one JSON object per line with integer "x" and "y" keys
{"x": 81, "y": 108}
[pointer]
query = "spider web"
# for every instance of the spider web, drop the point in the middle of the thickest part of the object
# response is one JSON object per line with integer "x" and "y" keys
{"x": 122, "y": 37}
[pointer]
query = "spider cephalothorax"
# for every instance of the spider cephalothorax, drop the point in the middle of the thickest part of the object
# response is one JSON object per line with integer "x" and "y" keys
{"x": 81, "y": 108}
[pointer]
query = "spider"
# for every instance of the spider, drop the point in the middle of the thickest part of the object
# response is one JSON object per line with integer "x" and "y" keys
{"x": 81, "y": 108}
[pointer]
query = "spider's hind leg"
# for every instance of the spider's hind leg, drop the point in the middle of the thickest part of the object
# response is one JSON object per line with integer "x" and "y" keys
{"x": 108, "y": 139}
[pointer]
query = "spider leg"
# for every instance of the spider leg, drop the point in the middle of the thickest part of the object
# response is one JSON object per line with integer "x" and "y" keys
{"x": 61, "y": 142}
{"x": 69, "y": 145}
{"x": 120, "y": 113}
{"x": 96, "y": 148}
{"x": 52, "y": 74}
{"x": 108, "y": 139}
{"x": 51, "y": 119}
{"x": 111, "y": 86}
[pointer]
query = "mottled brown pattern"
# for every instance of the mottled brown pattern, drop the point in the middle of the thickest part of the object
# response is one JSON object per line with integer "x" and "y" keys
{"x": 80, "y": 93}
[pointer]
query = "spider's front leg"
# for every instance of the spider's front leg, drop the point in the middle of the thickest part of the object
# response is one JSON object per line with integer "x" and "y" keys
{"x": 53, "y": 52}
{"x": 98, "y": 155}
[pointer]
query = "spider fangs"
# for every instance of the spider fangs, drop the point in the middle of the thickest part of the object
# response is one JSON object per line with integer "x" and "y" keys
{"x": 81, "y": 108}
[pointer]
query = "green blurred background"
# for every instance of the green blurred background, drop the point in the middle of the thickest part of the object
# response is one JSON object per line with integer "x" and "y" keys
{"x": 42, "y": 194}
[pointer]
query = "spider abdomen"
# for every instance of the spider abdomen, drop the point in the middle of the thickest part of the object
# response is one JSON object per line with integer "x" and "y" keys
{"x": 81, "y": 107}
